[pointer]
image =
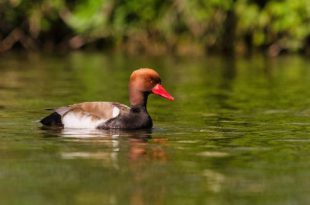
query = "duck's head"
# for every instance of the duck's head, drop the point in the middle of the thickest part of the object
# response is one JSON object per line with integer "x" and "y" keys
{"x": 146, "y": 81}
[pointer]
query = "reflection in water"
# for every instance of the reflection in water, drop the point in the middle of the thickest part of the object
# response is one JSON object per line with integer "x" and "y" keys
{"x": 137, "y": 142}
{"x": 214, "y": 180}
{"x": 137, "y": 147}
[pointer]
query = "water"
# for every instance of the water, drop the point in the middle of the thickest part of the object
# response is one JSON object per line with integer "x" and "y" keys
{"x": 237, "y": 133}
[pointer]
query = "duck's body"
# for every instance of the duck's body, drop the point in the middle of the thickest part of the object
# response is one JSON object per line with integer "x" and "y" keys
{"x": 110, "y": 115}
{"x": 99, "y": 115}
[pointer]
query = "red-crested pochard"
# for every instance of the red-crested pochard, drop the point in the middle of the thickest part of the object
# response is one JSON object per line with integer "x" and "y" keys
{"x": 111, "y": 115}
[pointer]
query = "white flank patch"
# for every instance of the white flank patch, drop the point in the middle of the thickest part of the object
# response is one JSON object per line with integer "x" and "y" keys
{"x": 115, "y": 111}
{"x": 78, "y": 120}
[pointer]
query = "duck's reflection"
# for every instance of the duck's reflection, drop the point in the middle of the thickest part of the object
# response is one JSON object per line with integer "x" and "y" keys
{"x": 133, "y": 153}
{"x": 134, "y": 143}
{"x": 139, "y": 149}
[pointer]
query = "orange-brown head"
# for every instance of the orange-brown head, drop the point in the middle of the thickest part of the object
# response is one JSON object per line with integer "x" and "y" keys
{"x": 143, "y": 82}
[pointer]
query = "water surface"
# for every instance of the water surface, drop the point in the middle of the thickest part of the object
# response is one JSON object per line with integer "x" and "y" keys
{"x": 237, "y": 133}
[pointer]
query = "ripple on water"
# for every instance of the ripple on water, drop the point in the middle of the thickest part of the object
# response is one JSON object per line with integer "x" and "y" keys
{"x": 213, "y": 154}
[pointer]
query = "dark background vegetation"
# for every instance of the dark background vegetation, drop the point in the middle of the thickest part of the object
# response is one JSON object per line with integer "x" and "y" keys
{"x": 157, "y": 26}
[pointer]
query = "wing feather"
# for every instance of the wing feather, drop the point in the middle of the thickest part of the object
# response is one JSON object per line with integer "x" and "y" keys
{"x": 89, "y": 114}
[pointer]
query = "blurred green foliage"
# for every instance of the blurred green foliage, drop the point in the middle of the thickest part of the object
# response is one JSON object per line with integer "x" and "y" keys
{"x": 157, "y": 26}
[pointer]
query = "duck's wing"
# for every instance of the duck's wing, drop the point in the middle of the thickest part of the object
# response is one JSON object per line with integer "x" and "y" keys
{"x": 84, "y": 115}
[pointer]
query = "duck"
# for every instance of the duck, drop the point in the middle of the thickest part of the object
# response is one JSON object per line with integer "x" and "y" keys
{"x": 113, "y": 115}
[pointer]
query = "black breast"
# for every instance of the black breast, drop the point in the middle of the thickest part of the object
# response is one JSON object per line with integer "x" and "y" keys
{"x": 136, "y": 118}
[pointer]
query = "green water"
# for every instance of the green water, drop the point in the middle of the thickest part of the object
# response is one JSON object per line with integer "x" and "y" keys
{"x": 237, "y": 133}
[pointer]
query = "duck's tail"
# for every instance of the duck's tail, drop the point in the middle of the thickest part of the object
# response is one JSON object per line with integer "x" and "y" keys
{"x": 53, "y": 119}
